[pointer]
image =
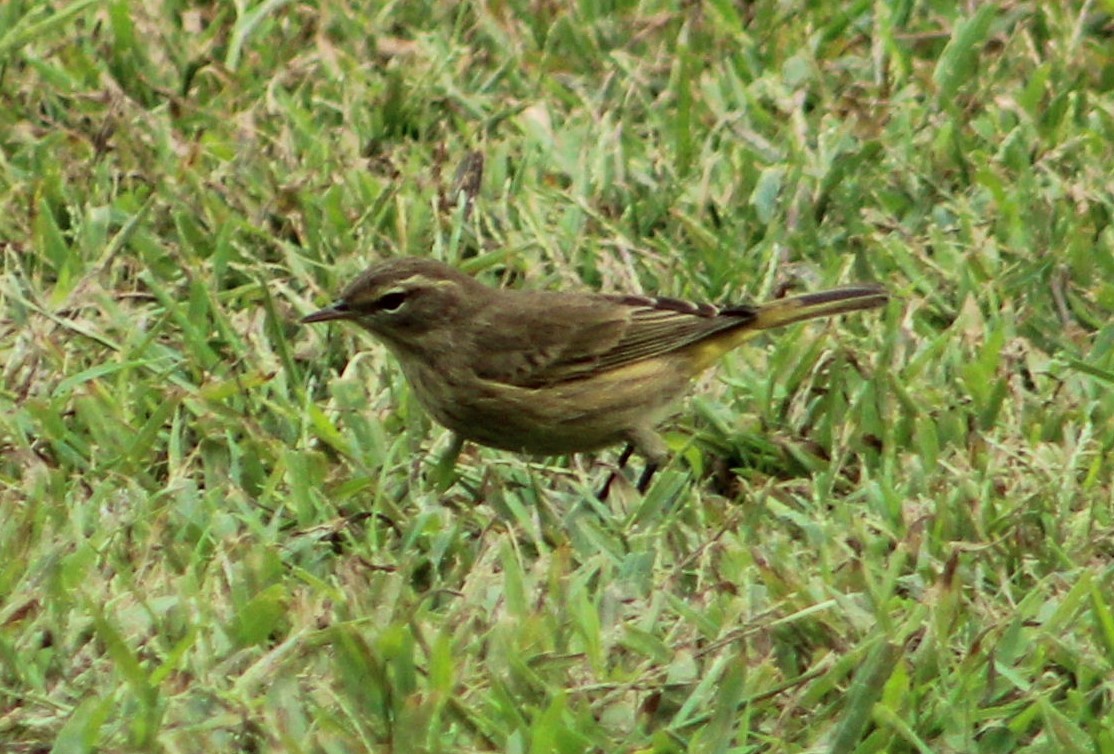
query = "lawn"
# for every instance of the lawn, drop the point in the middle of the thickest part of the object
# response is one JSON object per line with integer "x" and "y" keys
{"x": 221, "y": 530}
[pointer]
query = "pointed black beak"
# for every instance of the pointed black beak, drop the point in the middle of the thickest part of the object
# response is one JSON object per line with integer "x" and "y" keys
{"x": 339, "y": 310}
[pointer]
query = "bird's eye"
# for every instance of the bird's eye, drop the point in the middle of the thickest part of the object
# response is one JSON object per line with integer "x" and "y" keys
{"x": 390, "y": 302}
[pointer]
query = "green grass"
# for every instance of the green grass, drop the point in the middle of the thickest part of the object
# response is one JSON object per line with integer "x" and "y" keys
{"x": 222, "y": 531}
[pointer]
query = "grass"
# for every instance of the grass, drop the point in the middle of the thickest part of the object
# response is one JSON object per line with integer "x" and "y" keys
{"x": 223, "y": 531}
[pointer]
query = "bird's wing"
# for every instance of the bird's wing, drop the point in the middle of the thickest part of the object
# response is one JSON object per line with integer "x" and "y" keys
{"x": 549, "y": 339}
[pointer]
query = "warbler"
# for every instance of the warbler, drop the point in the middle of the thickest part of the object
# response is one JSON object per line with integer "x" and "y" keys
{"x": 552, "y": 373}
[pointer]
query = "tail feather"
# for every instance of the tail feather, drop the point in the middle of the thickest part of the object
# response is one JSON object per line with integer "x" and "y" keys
{"x": 785, "y": 311}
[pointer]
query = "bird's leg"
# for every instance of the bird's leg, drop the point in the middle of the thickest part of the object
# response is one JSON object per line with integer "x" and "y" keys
{"x": 626, "y": 454}
{"x": 623, "y": 458}
{"x": 649, "y": 446}
{"x": 647, "y": 475}
{"x": 653, "y": 449}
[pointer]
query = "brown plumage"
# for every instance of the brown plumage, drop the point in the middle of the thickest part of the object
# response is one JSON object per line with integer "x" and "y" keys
{"x": 553, "y": 372}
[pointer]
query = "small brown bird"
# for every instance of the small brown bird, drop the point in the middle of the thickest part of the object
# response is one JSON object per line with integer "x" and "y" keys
{"x": 550, "y": 373}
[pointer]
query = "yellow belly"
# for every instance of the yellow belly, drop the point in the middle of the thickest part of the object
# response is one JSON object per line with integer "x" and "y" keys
{"x": 567, "y": 417}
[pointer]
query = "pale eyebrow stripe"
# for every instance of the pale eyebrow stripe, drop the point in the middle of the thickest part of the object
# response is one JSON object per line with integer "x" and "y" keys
{"x": 400, "y": 285}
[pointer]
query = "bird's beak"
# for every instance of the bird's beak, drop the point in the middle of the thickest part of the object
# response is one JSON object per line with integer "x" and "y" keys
{"x": 336, "y": 311}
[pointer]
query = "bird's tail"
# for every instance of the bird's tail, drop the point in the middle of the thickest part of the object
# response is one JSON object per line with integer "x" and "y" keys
{"x": 785, "y": 311}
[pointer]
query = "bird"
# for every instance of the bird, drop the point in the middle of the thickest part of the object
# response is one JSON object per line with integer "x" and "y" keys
{"x": 556, "y": 372}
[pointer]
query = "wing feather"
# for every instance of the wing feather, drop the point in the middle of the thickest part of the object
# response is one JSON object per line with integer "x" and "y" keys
{"x": 550, "y": 339}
